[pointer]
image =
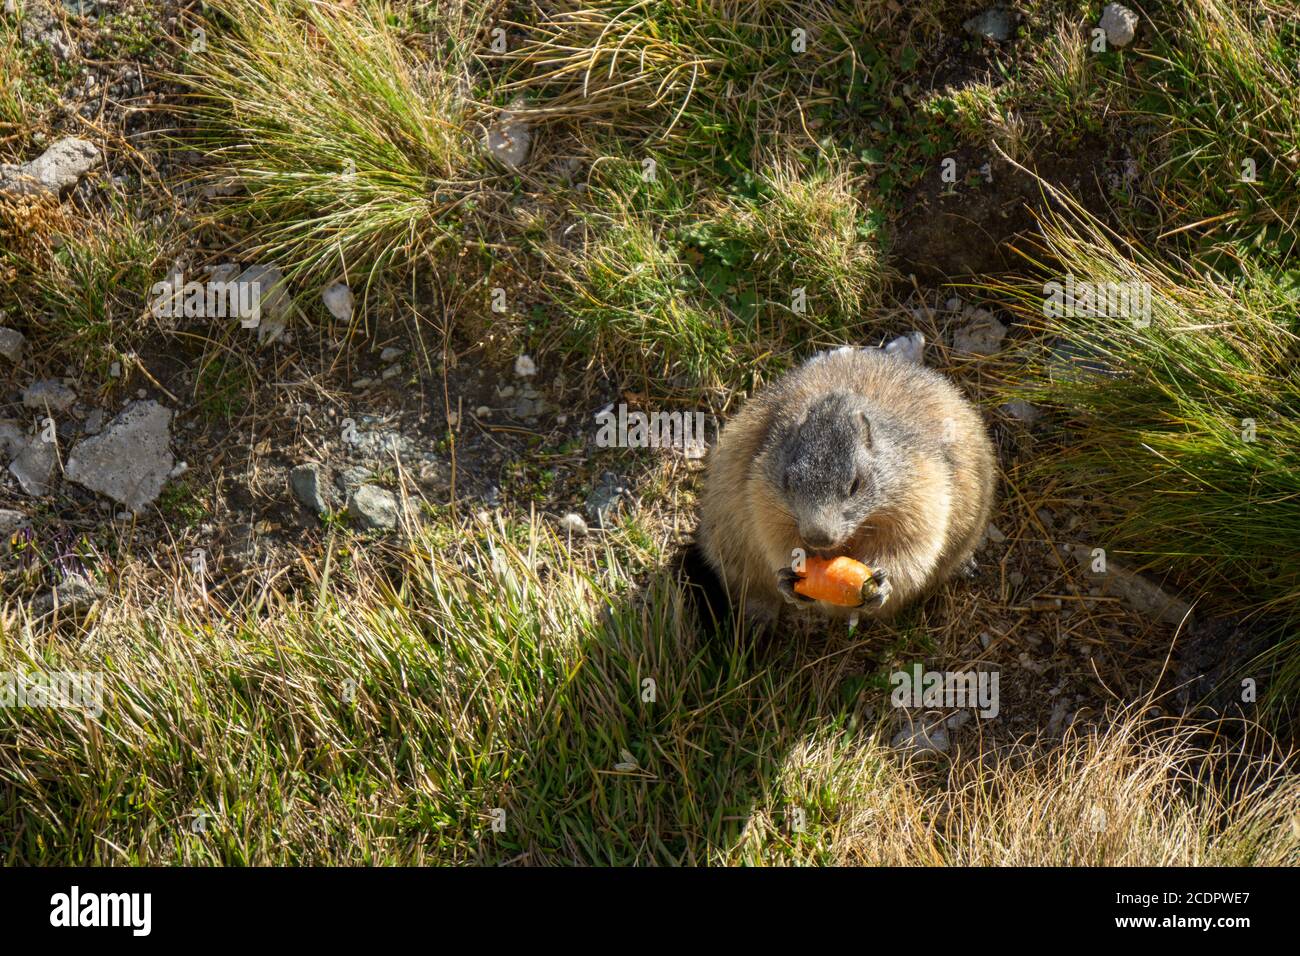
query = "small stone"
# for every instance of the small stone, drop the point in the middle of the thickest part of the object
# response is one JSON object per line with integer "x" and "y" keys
{"x": 73, "y": 593}
{"x": 363, "y": 383}
{"x": 391, "y": 354}
{"x": 393, "y": 371}
{"x": 223, "y": 272}
{"x": 35, "y": 464}
{"x": 129, "y": 461}
{"x": 350, "y": 479}
{"x": 909, "y": 348}
{"x": 1120, "y": 24}
{"x": 525, "y": 367}
{"x": 572, "y": 523}
{"x": 309, "y": 486}
{"x": 995, "y": 23}
{"x": 983, "y": 335}
{"x": 482, "y": 412}
{"x": 920, "y": 739}
{"x": 1022, "y": 411}
{"x": 506, "y": 391}
{"x": 11, "y": 344}
{"x": 338, "y": 299}
{"x": 509, "y": 139}
{"x": 94, "y": 422}
{"x": 604, "y": 496}
{"x": 11, "y": 522}
{"x": 528, "y": 408}
{"x": 1147, "y": 598}
{"x": 275, "y": 303}
{"x": 12, "y": 439}
{"x": 994, "y": 534}
{"x": 49, "y": 395}
{"x": 55, "y": 170}
{"x": 373, "y": 508}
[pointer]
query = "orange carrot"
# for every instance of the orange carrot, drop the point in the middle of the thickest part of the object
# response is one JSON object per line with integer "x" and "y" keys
{"x": 841, "y": 581}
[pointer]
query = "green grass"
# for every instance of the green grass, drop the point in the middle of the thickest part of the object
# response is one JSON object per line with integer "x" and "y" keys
{"x": 349, "y": 154}
{"x": 1225, "y": 82}
{"x": 395, "y": 723}
{"x": 1161, "y": 444}
{"x": 90, "y": 279}
{"x": 1191, "y": 437}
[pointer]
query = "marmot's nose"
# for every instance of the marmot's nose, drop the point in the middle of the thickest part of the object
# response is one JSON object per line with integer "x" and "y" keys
{"x": 816, "y": 537}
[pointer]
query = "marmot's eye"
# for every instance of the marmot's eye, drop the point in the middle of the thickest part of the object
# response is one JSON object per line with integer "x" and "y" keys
{"x": 853, "y": 488}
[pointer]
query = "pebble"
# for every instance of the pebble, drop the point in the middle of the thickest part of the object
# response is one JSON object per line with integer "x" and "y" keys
{"x": 1120, "y": 24}
{"x": 573, "y": 523}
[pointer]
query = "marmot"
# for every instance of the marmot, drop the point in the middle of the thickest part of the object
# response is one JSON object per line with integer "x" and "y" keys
{"x": 854, "y": 453}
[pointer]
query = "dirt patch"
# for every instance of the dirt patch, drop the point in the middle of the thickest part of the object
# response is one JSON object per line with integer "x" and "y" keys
{"x": 969, "y": 227}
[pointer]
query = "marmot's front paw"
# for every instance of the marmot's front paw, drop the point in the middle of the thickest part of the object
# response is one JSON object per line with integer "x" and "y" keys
{"x": 785, "y": 579}
{"x": 877, "y": 589}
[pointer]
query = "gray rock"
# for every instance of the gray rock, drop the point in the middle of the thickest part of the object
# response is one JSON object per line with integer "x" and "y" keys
{"x": 1147, "y": 598}
{"x": 48, "y": 395}
{"x": 128, "y": 461}
{"x": 276, "y": 303}
{"x": 921, "y": 739}
{"x": 604, "y": 496}
{"x": 373, "y": 508}
{"x": 11, "y": 344}
{"x": 310, "y": 487}
{"x": 983, "y": 335}
{"x": 11, "y": 522}
{"x": 509, "y": 139}
{"x": 1120, "y": 24}
{"x": 995, "y": 23}
{"x": 55, "y": 170}
{"x": 338, "y": 299}
{"x": 12, "y": 439}
{"x": 73, "y": 593}
{"x": 223, "y": 272}
{"x": 526, "y": 408}
{"x": 909, "y": 348}
{"x": 350, "y": 479}
{"x": 1022, "y": 411}
{"x": 391, "y": 354}
{"x": 35, "y": 463}
{"x": 382, "y": 444}
{"x": 94, "y": 423}
{"x": 572, "y": 523}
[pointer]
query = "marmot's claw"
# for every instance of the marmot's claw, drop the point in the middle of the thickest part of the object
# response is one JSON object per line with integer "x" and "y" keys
{"x": 876, "y": 591}
{"x": 785, "y": 579}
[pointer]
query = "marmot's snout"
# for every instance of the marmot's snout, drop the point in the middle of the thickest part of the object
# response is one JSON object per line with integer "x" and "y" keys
{"x": 817, "y": 532}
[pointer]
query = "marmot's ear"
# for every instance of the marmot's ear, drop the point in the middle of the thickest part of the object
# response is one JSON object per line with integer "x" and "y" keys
{"x": 865, "y": 428}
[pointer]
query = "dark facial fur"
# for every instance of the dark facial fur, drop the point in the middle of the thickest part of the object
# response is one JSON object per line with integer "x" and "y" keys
{"x": 830, "y": 466}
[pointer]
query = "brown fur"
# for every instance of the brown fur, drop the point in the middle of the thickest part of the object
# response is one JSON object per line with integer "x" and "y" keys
{"x": 919, "y": 537}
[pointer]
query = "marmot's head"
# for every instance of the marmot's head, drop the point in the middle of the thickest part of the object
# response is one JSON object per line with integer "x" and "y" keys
{"x": 834, "y": 464}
